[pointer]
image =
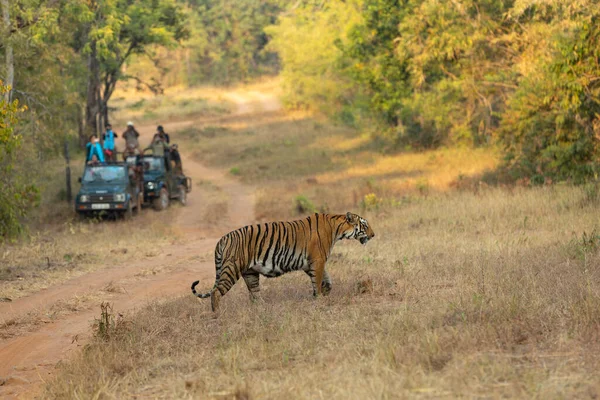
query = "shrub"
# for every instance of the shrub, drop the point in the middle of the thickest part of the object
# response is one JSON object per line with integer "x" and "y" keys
{"x": 303, "y": 205}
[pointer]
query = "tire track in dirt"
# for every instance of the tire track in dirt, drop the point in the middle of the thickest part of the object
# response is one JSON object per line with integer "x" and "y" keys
{"x": 29, "y": 359}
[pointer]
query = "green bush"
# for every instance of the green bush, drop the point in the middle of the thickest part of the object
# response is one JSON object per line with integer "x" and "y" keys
{"x": 304, "y": 206}
{"x": 16, "y": 196}
{"x": 420, "y": 74}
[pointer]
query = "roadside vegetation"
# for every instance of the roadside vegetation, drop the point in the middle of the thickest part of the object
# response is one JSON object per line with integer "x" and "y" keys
{"x": 425, "y": 74}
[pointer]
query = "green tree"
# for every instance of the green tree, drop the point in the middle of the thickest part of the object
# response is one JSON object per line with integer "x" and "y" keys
{"x": 551, "y": 127}
{"x": 15, "y": 195}
{"x": 230, "y": 44}
{"x": 114, "y": 30}
{"x": 308, "y": 40}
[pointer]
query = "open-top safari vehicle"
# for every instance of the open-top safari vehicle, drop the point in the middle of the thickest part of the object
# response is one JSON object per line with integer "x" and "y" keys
{"x": 163, "y": 181}
{"x": 111, "y": 188}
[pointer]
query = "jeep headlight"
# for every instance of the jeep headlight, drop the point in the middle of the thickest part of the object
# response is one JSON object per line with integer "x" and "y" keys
{"x": 84, "y": 198}
{"x": 120, "y": 197}
{"x": 150, "y": 185}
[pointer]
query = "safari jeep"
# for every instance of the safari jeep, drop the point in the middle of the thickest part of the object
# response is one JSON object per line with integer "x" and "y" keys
{"x": 161, "y": 183}
{"x": 110, "y": 189}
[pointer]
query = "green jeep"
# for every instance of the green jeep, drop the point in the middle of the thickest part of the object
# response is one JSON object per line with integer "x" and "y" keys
{"x": 108, "y": 189}
{"x": 162, "y": 183}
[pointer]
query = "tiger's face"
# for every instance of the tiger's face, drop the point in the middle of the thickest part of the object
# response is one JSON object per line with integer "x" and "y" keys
{"x": 358, "y": 228}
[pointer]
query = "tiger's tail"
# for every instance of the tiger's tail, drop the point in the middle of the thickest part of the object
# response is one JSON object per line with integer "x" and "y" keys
{"x": 219, "y": 265}
{"x": 201, "y": 295}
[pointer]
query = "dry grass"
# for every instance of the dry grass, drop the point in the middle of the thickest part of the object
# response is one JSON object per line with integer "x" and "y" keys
{"x": 491, "y": 294}
{"x": 175, "y": 103}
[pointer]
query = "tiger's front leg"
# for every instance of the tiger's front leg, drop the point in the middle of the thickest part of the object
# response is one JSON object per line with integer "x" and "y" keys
{"x": 316, "y": 273}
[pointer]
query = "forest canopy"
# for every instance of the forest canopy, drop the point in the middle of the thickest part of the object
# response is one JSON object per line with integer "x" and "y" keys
{"x": 523, "y": 74}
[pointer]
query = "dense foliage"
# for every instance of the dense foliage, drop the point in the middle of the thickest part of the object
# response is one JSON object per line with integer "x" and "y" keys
{"x": 15, "y": 194}
{"x": 227, "y": 43}
{"x": 426, "y": 73}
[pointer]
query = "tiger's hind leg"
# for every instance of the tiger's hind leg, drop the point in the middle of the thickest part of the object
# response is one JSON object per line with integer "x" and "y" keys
{"x": 326, "y": 283}
{"x": 252, "y": 282}
{"x": 230, "y": 274}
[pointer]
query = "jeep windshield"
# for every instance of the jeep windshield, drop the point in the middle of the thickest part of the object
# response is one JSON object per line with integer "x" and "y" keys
{"x": 112, "y": 174}
{"x": 153, "y": 164}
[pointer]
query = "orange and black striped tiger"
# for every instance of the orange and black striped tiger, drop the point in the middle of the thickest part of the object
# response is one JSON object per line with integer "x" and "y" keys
{"x": 272, "y": 249}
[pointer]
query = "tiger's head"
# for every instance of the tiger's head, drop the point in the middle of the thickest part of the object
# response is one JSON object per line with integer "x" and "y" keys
{"x": 357, "y": 228}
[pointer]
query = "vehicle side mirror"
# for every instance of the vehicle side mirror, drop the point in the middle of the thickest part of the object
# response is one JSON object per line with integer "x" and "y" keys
{"x": 79, "y": 179}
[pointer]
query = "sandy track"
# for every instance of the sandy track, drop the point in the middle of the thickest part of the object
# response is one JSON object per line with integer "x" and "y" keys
{"x": 26, "y": 361}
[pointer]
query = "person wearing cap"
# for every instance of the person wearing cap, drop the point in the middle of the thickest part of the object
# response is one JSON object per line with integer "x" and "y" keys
{"x": 161, "y": 134}
{"x": 109, "y": 143}
{"x": 131, "y": 136}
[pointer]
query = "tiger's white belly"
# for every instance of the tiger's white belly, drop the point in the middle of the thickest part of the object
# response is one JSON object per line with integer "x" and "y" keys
{"x": 271, "y": 270}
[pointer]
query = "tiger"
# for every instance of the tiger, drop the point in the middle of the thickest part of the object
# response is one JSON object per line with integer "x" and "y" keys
{"x": 275, "y": 248}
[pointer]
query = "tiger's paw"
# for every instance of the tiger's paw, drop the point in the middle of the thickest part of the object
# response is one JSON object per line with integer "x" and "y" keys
{"x": 325, "y": 288}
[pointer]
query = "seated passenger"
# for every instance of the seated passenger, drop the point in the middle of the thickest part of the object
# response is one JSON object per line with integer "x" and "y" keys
{"x": 94, "y": 149}
{"x": 94, "y": 161}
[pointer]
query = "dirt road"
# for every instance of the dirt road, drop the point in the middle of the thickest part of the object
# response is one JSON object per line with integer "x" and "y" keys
{"x": 26, "y": 361}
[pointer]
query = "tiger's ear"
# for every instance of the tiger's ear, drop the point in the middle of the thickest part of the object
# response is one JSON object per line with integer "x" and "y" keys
{"x": 349, "y": 217}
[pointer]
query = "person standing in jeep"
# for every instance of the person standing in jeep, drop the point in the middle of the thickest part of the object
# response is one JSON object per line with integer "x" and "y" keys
{"x": 109, "y": 143}
{"x": 161, "y": 134}
{"x": 131, "y": 136}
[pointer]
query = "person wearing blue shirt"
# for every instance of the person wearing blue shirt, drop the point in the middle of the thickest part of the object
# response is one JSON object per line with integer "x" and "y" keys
{"x": 109, "y": 143}
{"x": 94, "y": 149}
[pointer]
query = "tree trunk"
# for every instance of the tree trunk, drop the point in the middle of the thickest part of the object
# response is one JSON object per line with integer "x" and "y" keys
{"x": 10, "y": 67}
{"x": 92, "y": 107}
{"x": 80, "y": 127}
{"x": 104, "y": 112}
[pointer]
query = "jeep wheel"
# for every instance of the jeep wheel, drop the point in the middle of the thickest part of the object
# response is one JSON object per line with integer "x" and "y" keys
{"x": 182, "y": 195}
{"x": 162, "y": 201}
